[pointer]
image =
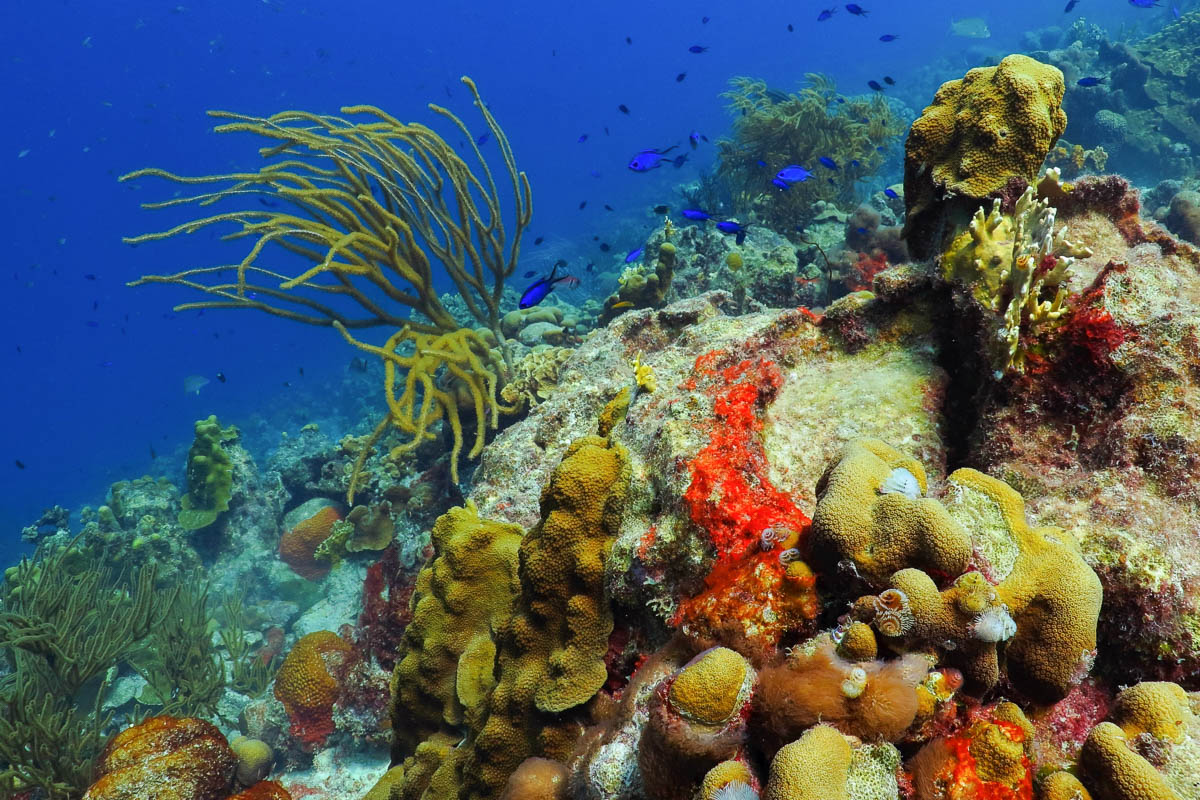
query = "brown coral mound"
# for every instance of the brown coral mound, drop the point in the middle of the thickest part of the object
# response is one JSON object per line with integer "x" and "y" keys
{"x": 167, "y": 758}
{"x": 993, "y": 124}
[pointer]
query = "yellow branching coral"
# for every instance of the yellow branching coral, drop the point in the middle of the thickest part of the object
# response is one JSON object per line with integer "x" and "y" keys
{"x": 373, "y": 203}
{"x": 1009, "y": 261}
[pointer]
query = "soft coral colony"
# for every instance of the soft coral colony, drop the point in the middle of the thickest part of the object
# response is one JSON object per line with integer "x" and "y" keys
{"x": 928, "y": 544}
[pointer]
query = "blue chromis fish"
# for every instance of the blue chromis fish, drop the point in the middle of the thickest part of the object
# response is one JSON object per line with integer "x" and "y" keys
{"x": 695, "y": 214}
{"x": 1143, "y": 3}
{"x": 695, "y": 138}
{"x": 582, "y": 138}
{"x": 828, "y": 162}
{"x": 482, "y": 140}
{"x": 697, "y": 49}
{"x": 825, "y": 14}
{"x": 539, "y": 289}
{"x": 793, "y": 173}
{"x": 649, "y": 159}
{"x": 732, "y": 226}
{"x": 856, "y": 9}
{"x": 875, "y": 85}
{"x": 1070, "y": 6}
{"x": 1090, "y": 80}
{"x": 634, "y": 255}
{"x": 888, "y": 37}
{"x": 890, "y": 192}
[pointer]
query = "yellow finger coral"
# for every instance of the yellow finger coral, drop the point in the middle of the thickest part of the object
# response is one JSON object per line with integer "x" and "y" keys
{"x": 993, "y": 124}
{"x": 870, "y": 510}
{"x": 550, "y": 657}
{"x": 465, "y": 590}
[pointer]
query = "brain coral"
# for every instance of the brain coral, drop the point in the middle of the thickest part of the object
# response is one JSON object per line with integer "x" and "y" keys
{"x": 167, "y": 758}
{"x": 993, "y": 124}
{"x": 308, "y": 684}
{"x": 881, "y": 531}
{"x": 298, "y": 546}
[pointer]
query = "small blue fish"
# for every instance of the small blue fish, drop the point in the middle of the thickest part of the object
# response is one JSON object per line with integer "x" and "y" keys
{"x": 1070, "y": 6}
{"x": 854, "y": 163}
{"x": 482, "y": 140}
{"x": 856, "y": 9}
{"x": 890, "y": 192}
{"x": 695, "y": 138}
{"x": 539, "y": 289}
{"x": 704, "y": 20}
{"x": 595, "y": 173}
{"x": 781, "y": 184}
{"x": 679, "y": 78}
{"x": 1144, "y": 3}
{"x": 888, "y": 37}
{"x": 828, "y": 162}
{"x": 696, "y": 49}
{"x": 826, "y": 14}
{"x": 1090, "y": 80}
{"x": 875, "y": 85}
{"x": 793, "y": 173}
{"x": 695, "y": 214}
{"x": 678, "y": 160}
{"x": 582, "y": 138}
{"x": 634, "y": 255}
{"x": 761, "y": 163}
{"x": 734, "y": 227}
{"x": 649, "y": 159}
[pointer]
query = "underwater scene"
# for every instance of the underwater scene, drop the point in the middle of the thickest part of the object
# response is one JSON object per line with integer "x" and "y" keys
{"x": 619, "y": 401}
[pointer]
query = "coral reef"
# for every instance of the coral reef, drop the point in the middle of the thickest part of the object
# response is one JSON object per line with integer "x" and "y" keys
{"x": 641, "y": 290}
{"x": 310, "y": 681}
{"x": 993, "y": 124}
{"x": 780, "y": 129}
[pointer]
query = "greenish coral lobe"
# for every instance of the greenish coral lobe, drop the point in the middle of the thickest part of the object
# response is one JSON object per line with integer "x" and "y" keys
{"x": 209, "y": 475}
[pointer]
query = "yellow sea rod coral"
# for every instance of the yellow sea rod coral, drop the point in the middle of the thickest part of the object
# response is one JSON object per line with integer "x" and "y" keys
{"x": 993, "y": 124}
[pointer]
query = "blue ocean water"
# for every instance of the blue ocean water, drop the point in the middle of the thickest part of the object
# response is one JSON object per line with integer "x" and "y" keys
{"x": 94, "y": 371}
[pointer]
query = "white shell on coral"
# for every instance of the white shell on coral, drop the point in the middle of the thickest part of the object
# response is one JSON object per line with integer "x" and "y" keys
{"x": 901, "y": 481}
{"x": 994, "y": 625}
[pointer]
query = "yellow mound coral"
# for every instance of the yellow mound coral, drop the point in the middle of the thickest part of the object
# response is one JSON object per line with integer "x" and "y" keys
{"x": 465, "y": 590}
{"x": 722, "y": 775}
{"x": 1051, "y": 593}
{"x": 551, "y": 652}
{"x": 254, "y": 759}
{"x": 814, "y": 767}
{"x": 993, "y": 124}
{"x": 870, "y": 510}
{"x": 711, "y": 688}
{"x": 1149, "y": 721}
{"x": 990, "y": 758}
